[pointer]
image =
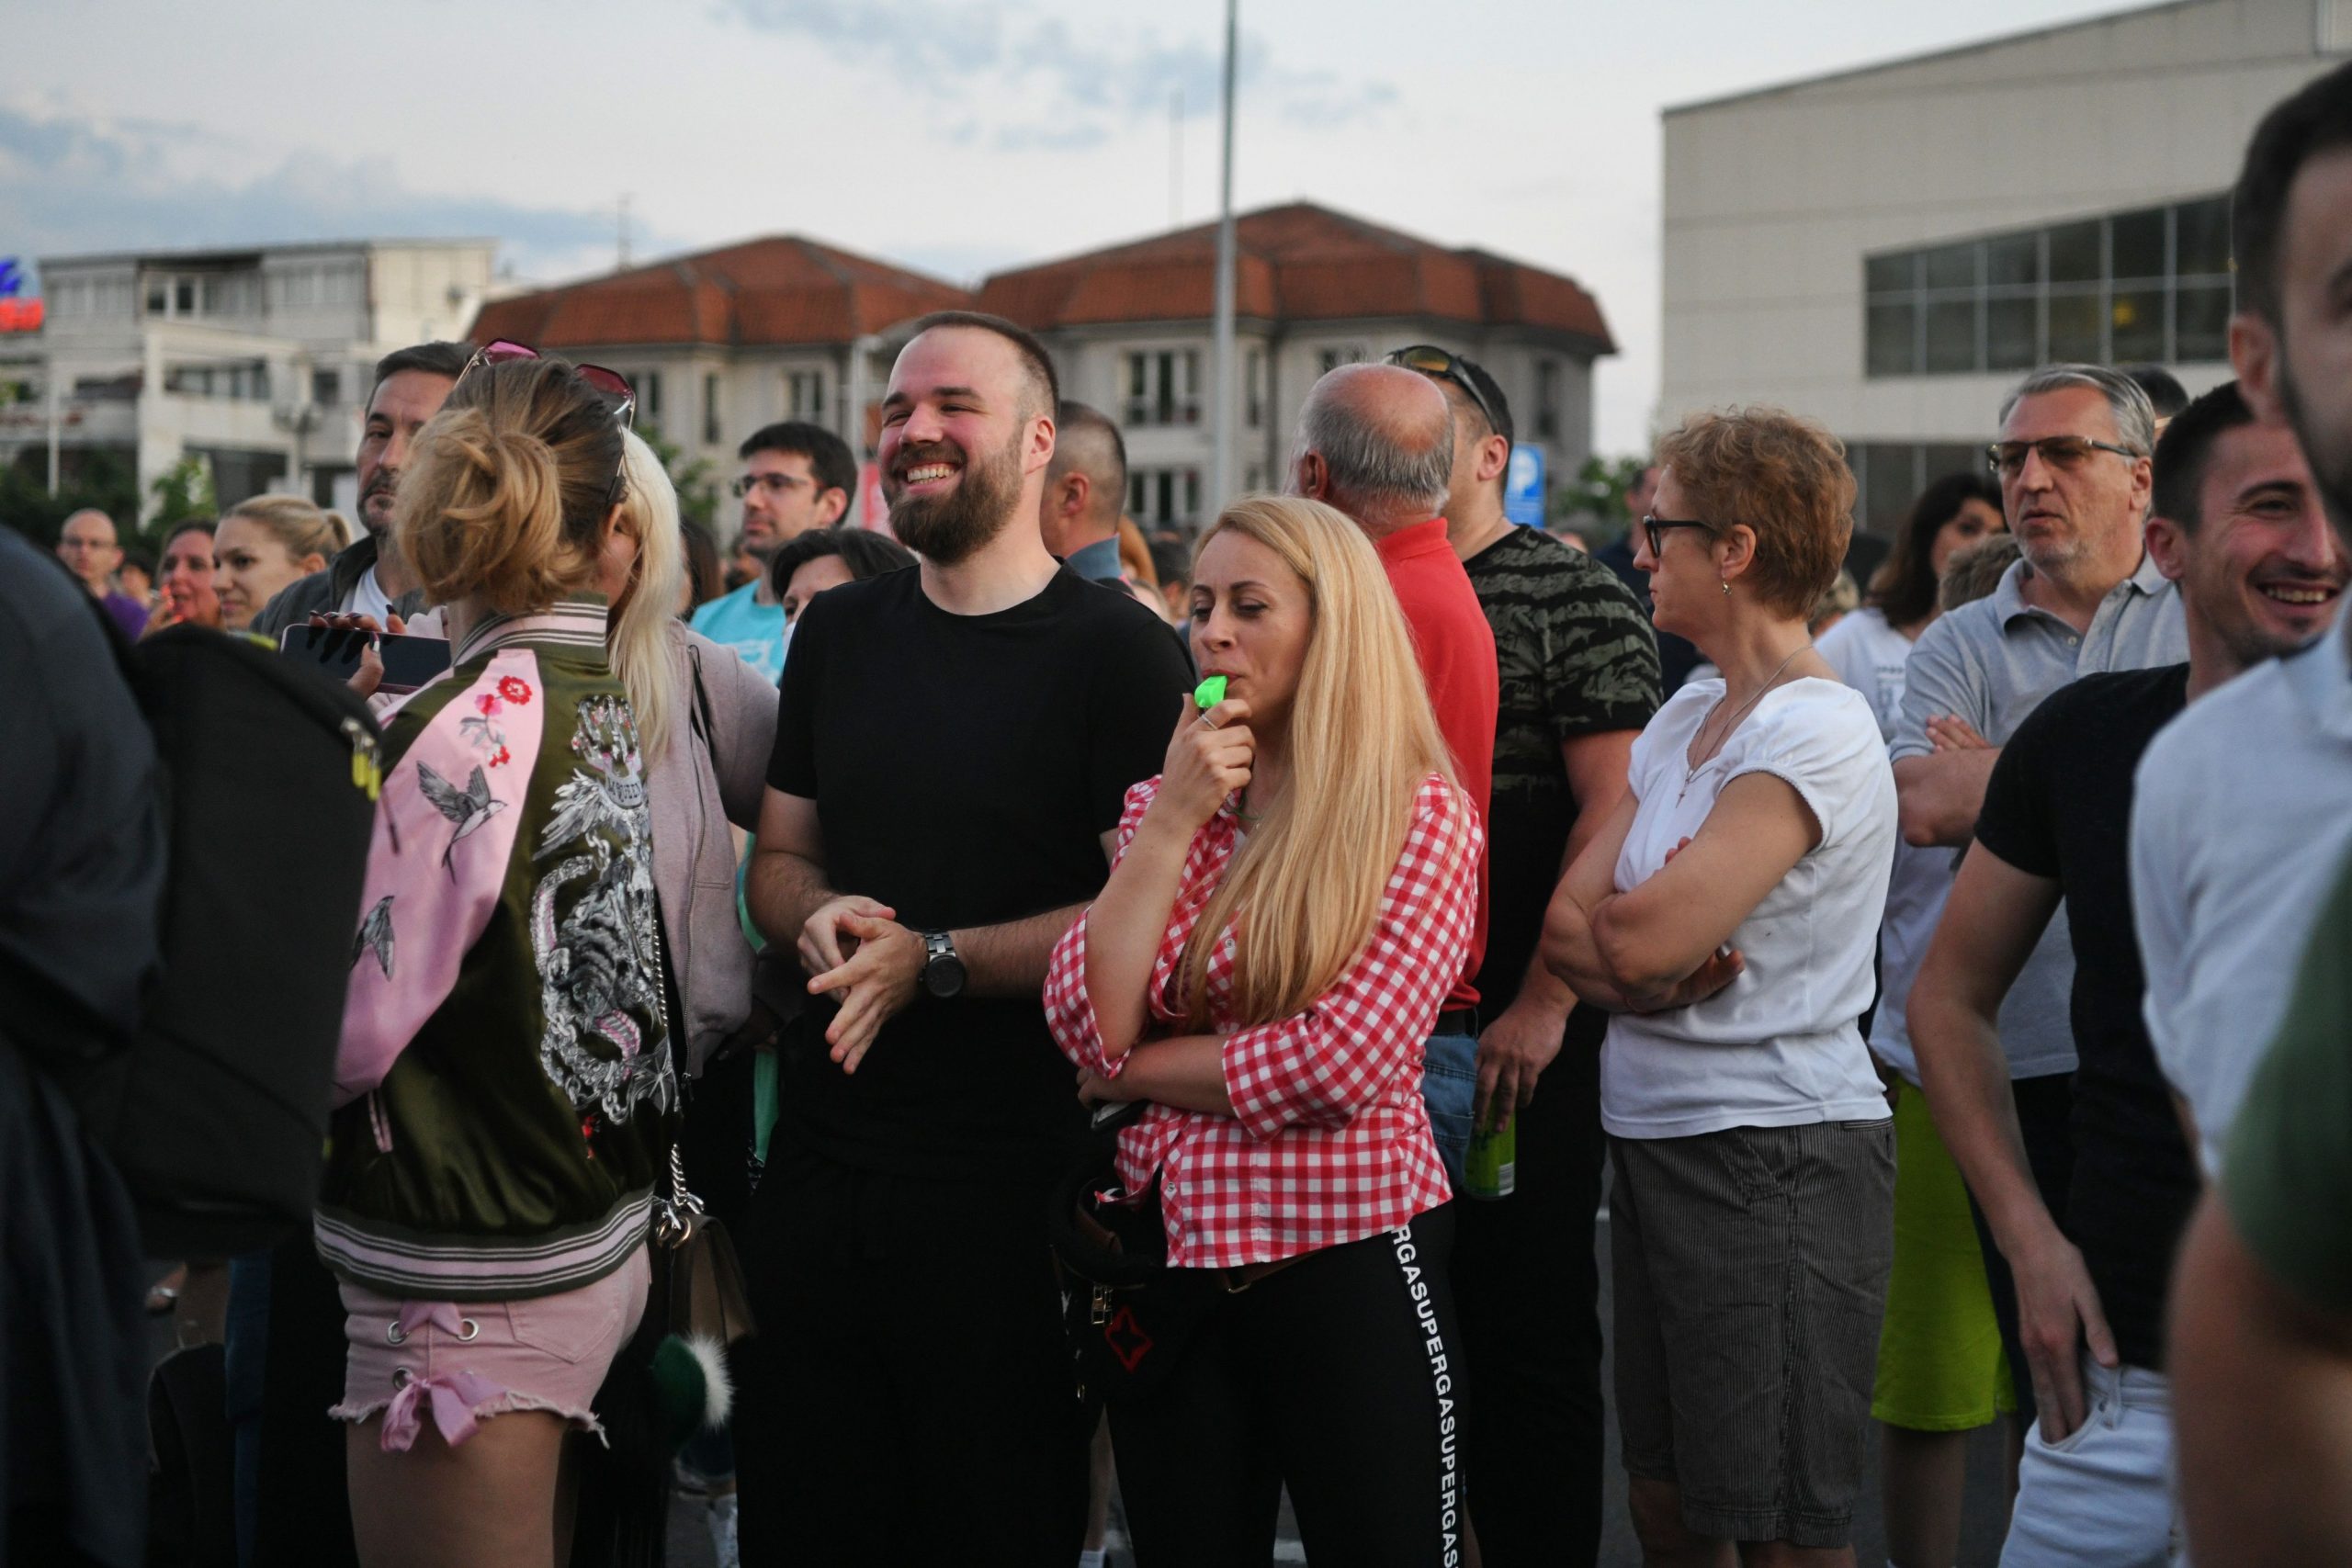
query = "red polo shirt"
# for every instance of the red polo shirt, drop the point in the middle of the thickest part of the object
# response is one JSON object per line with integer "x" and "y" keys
{"x": 1456, "y": 648}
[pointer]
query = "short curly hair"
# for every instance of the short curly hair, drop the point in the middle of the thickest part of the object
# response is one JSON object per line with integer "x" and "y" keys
{"x": 1783, "y": 475}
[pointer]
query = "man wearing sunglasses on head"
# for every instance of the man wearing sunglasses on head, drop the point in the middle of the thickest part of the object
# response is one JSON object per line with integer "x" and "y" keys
{"x": 368, "y": 578}
{"x": 797, "y": 477}
{"x": 2075, "y": 475}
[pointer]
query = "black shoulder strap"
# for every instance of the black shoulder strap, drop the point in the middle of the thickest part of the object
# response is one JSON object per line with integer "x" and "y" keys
{"x": 702, "y": 697}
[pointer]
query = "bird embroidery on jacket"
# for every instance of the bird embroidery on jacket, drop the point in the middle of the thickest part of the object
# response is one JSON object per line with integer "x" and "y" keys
{"x": 376, "y": 935}
{"x": 469, "y": 809}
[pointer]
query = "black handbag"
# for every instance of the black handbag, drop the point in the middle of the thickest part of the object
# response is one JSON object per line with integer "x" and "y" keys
{"x": 1128, "y": 1315}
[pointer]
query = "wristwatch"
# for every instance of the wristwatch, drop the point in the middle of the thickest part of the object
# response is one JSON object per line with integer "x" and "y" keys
{"x": 943, "y": 971}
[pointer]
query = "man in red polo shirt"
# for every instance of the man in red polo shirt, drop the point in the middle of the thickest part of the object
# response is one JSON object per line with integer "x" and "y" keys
{"x": 1376, "y": 442}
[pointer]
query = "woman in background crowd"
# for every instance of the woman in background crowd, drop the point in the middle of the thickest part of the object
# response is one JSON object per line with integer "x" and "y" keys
{"x": 261, "y": 546}
{"x": 1940, "y": 1371}
{"x": 504, "y": 1085}
{"x": 188, "y": 597}
{"x": 1727, "y": 913}
{"x": 1292, "y": 900}
{"x": 706, "y": 579}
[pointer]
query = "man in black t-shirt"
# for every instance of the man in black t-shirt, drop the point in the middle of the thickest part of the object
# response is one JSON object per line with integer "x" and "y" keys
{"x": 2237, "y": 524}
{"x": 1577, "y": 672}
{"x": 953, "y": 746}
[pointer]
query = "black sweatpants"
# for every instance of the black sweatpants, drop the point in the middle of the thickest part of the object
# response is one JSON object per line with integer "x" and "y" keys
{"x": 1527, "y": 1285}
{"x": 910, "y": 1397}
{"x": 1335, "y": 1377}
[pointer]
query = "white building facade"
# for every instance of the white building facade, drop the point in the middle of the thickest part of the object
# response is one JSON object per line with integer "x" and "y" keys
{"x": 1889, "y": 250}
{"x": 258, "y": 360}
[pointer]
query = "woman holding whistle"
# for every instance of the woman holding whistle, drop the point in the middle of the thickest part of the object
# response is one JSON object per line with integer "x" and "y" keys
{"x": 1292, "y": 900}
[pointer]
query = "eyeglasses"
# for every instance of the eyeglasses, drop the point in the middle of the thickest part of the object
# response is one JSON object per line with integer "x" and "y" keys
{"x": 1431, "y": 360}
{"x": 2064, "y": 453}
{"x": 775, "y": 484}
{"x": 1653, "y": 526}
{"x": 610, "y": 384}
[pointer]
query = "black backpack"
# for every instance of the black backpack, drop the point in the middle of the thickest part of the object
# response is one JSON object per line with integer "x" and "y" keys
{"x": 215, "y": 1112}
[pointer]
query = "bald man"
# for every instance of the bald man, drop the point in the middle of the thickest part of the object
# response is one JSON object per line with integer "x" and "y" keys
{"x": 1085, "y": 486}
{"x": 1376, "y": 442}
{"x": 87, "y": 547}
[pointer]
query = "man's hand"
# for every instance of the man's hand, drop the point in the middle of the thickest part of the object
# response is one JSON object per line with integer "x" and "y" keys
{"x": 2058, "y": 1310}
{"x": 874, "y": 984}
{"x": 1513, "y": 1051}
{"x": 1720, "y": 969}
{"x": 824, "y": 942}
{"x": 1949, "y": 732}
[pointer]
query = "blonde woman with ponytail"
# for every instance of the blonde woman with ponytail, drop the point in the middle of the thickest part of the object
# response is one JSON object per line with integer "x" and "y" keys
{"x": 504, "y": 1089}
{"x": 1292, "y": 899}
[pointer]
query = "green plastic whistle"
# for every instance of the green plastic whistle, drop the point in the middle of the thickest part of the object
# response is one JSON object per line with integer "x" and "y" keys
{"x": 1209, "y": 692}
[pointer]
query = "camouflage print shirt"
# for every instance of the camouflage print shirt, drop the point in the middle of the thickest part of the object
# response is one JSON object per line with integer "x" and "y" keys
{"x": 1576, "y": 656}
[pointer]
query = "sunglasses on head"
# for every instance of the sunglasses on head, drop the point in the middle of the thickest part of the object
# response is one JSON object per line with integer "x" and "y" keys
{"x": 609, "y": 384}
{"x": 1431, "y": 360}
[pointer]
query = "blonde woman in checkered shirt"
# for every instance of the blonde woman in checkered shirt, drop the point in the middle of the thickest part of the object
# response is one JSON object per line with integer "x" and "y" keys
{"x": 1292, "y": 901}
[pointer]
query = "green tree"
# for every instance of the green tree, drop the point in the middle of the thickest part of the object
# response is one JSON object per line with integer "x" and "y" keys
{"x": 695, "y": 482}
{"x": 181, "y": 491}
{"x": 94, "y": 477}
{"x": 1599, "y": 492}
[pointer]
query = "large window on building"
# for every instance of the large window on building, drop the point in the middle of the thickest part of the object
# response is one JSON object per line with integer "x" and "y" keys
{"x": 2151, "y": 284}
{"x": 1889, "y": 476}
{"x": 710, "y": 422}
{"x": 1547, "y": 400}
{"x": 1164, "y": 387}
{"x": 804, "y": 395}
{"x": 1164, "y": 496}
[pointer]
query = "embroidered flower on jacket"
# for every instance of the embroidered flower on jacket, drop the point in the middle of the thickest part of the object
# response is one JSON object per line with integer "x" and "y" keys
{"x": 514, "y": 689}
{"x": 487, "y": 704}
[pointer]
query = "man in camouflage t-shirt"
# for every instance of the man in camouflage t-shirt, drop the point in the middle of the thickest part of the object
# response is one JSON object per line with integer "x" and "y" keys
{"x": 1579, "y": 679}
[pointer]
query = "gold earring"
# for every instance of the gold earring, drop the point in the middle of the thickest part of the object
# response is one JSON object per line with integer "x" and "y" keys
{"x": 1726, "y": 581}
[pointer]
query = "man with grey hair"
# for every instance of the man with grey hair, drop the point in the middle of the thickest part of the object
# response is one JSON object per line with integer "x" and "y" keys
{"x": 1085, "y": 486}
{"x": 1376, "y": 442}
{"x": 87, "y": 547}
{"x": 2074, "y": 461}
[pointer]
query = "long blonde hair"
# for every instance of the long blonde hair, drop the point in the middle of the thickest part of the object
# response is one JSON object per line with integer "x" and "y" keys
{"x": 294, "y": 521}
{"x": 642, "y": 642}
{"x": 1304, "y": 890}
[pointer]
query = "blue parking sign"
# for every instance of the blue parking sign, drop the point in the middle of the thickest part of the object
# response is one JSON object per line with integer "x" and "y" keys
{"x": 1523, "y": 487}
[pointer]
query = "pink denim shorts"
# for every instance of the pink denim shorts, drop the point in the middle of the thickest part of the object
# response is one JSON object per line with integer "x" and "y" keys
{"x": 459, "y": 1363}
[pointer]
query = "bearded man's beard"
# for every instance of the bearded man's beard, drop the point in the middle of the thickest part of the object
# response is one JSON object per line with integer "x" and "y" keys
{"x": 950, "y": 528}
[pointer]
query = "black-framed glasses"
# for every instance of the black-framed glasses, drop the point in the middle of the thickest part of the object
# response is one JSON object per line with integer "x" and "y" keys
{"x": 609, "y": 384}
{"x": 1431, "y": 360}
{"x": 773, "y": 483}
{"x": 2064, "y": 453}
{"x": 1654, "y": 527}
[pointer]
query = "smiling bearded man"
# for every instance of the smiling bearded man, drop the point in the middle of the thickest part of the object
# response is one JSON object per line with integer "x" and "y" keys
{"x": 953, "y": 750}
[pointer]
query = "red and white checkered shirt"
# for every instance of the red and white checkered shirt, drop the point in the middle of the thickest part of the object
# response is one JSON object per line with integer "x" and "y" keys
{"x": 1329, "y": 1141}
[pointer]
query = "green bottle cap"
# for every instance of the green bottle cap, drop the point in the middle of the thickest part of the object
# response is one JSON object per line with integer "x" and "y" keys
{"x": 1209, "y": 692}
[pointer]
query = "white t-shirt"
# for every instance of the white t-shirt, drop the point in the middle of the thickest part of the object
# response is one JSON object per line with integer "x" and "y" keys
{"x": 367, "y": 598}
{"x": 1871, "y": 655}
{"x": 1868, "y": 655}
{"x": 2241, "y": 819}
{"x": 1777, "y": 1047}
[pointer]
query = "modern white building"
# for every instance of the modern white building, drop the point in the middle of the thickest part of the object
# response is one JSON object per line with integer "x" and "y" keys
{"x": 1889, "y": 249}
{"x": 1131, "y": 332}
{"x": 257, "y": 359}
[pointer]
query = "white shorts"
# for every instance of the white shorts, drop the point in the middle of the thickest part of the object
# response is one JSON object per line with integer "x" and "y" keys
{"x": 2102, "y": 1493}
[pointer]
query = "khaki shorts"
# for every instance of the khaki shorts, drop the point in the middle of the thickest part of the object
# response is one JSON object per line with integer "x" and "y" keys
{"x": 1750, "y": 1268}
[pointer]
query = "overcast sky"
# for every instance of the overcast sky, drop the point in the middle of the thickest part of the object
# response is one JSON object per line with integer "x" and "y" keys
{"x": 957, "y": 136}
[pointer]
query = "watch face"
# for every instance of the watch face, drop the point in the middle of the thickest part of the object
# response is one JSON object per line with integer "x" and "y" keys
{"x": 944, "y": 975}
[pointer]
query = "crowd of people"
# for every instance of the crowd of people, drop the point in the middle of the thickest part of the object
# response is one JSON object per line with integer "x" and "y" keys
{"x": 1091, "y": 976}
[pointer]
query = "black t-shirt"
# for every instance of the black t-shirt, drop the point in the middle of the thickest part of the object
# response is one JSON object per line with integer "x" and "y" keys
{"x": 965, "y": 768}
{"x": 1575, "y": 656}
{"x": 2059, "y": 805}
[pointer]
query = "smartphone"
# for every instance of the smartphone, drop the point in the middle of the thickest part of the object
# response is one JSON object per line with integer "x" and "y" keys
{"x": 409, "y": 662}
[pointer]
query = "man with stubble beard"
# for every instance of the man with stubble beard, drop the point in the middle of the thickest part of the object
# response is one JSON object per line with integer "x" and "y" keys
{"x": 367, "y": 578}
{"x": 954, "y": 747}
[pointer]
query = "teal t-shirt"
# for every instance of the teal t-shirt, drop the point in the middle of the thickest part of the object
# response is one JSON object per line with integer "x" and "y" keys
{"x": 754, "y": 630}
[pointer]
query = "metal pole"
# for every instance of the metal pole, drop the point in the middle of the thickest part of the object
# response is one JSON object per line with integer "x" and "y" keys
{"x": 54, "y": 372}
{"x": 1221, "y": 362}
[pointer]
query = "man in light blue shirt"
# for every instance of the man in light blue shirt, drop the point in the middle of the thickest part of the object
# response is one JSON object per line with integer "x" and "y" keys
{"x": 795, "y": 477}
{"x": 1085, "y": 486}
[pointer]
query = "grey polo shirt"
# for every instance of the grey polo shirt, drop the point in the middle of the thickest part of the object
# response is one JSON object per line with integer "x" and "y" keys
{"x": 2241, "y": 822}
{"x": 1992, "y": 662}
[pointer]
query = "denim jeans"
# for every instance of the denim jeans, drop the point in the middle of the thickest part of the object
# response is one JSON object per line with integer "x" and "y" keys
{"x": 1450, "y": 1088}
